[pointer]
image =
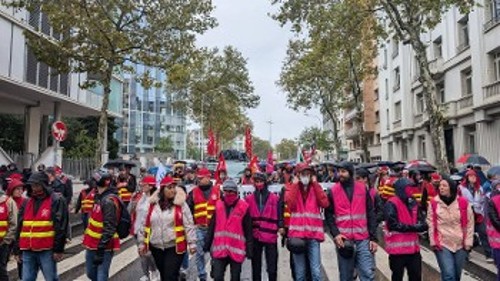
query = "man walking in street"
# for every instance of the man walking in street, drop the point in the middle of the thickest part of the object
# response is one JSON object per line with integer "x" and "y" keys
{"x": 8, "y": 226}
{"x": 403, "y": 223}
{"x": 41, "y": 233}
{"x": 264, "y": 210}
{"x": 100, "y": 238}
{"x": 201, "y": 201}
{"x": 351, "y": 220}
{"x": 305, "y": 199}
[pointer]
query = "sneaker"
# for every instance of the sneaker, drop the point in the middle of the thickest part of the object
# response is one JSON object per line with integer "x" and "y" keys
{"x": 489, "y": 260}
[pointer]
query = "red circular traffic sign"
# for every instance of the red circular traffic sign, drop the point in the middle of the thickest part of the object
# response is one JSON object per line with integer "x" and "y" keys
{"x": 59, "y": 131}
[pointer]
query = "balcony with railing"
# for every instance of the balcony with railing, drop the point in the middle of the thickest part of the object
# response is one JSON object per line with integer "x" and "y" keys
{"x": 494, "y": 21}
{"x": 397, "y": 124}
{"x": 436, "y": 66}
{"x": 492, "y": 91}
{"x": 352, "y": 132}
{"x": 419, "y": 118}
{"x": 462, "y": 47}
{"x": 466, "y": 102}
{"x": 350, "y": 114}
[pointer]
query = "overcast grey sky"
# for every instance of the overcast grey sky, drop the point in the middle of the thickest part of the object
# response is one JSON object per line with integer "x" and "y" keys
{"x": 246, "y": 25}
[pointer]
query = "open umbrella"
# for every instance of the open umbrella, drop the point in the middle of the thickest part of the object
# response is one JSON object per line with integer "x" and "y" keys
{"x": 473, "y": 159}
{"x": 494, "y": 171}
{"x": 117, "y": 163}
{"x": 420, "y": 165}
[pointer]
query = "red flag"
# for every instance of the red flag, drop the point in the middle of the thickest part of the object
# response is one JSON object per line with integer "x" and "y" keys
{"x": 221, "y": 166}
{"x": 270, "y": 162}
{"x": 254, "y": 164}
{"x": 211, "y": 143}
{"x": 248, "y": 142}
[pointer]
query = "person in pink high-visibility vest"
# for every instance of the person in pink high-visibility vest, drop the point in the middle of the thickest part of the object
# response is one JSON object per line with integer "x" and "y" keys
{"x": 229, "y": 236}
{"x": 403, "y": 222}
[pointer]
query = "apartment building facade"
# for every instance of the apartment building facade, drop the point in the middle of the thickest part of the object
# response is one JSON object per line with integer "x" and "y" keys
{"x": 464, "y": 55}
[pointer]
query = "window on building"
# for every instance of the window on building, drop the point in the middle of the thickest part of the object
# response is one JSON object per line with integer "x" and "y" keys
{"x": 493, "y": 6}
{"x": 387, "y": 119}
{"x": 397, "y": 111}
{"x": 397, "y": 78}
{"x": 404, "y": 150}
{"x": 390, "y": 150}
{"x": 441, "y": 92}
{"x": 385, "y": 58}
{"x": 395, "y": 47}
{"x": 422, "y": 150}
{"x": 419, "y": 101}
{"x": 438, "y": 48}
{"x": 467, "y": 82}
{"x": 386, "y": 89}
{"x": 376, "y": 94}
{"x": 463, "y": 33}
{"x": 377, "y": 116}
{"x": 470, "y": 139}
{"x": 496, "y": 64}
{"x": 377, "y": 138}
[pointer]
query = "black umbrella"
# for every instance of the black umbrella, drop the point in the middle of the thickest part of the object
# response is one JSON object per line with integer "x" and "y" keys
{"x": 473, "y": 159}
{"x": 118, "y": 163}
{"x": 494, "y": 171}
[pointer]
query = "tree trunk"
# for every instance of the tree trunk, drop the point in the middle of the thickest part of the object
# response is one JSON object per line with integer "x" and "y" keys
{"x": 358, "y": 103}
{"x": 103, "y": 117}
{"x": 436, "y": 117}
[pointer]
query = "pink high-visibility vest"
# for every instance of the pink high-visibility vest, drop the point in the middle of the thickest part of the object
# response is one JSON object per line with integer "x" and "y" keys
{"x": 462, "y": 205}
{"x": 306, "y": 221}
{"x": 265, "y": 223}
{"x": 491, "y": 231}
{"x": 229, "y": 238}
{"x": 399, "y": 243}
{"x": 350, "y": 217}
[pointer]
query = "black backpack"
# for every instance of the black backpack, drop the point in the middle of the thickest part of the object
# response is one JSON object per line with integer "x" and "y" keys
{"x": 124, "y": 219}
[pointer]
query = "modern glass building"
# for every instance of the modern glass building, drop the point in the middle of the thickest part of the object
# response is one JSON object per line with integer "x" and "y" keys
{"x": 148, "y": 116}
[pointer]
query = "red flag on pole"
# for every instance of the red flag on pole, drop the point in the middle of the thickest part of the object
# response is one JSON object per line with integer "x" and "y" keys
{"x": 248, "y": 142}
{"x": 221, "y": 166}
{"x": 270, "y": 162}
{"x": 254, "y": 164}
{"x": 211, "y": 143}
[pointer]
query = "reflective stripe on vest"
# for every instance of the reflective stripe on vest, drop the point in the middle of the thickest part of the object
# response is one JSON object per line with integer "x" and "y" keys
{"x": 306, "y": 221}
{"x": 229, "y": 238}
{"x": 4, "y": 219}
{"x": 180, "y": 233}
{"x": 203, "y": 208}
{"x": 37, "y": 230}
{"x": 491, "y": 231}
{"x": 265, "y": 223}
{"x": 124, "y": 194}
{"x": 87, "y": 201}
{"x": 350, "y": 217}
{"x": 398, "y": 243}
{"x": 93, "y": 233}
{"x": 463, "y": 204}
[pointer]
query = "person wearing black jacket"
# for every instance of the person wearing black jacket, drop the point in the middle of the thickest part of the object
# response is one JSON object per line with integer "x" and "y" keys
{"x": 494, "y": 222}
{"x": 100, "y": 238}
{"x": 230, "y": 202}
{"x": 347, "y": 249}
{"x": 363, "y": 175}
{"x": 403, "y": 248}
{"x": 28, "y": 248}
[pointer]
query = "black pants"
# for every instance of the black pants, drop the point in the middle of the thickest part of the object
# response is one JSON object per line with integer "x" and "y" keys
{"x": 219, "y": 269}
{"x": 168, "y": 263}
{"x": 412, "y": 263}
{"x": 271, "y": 252}
{"x": 4, "y": 259}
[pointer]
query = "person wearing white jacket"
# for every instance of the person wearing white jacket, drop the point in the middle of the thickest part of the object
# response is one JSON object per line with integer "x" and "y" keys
{"x": 169, "y": 230}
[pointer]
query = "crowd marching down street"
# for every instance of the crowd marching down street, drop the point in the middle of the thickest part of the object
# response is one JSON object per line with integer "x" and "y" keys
{"x": 194, "y": 211}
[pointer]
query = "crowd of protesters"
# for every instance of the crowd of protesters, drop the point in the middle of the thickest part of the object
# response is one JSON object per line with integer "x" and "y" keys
{"x": 194, "y": 211}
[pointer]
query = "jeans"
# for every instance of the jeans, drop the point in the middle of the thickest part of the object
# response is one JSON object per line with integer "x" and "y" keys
{"x": 411, "y": 262}
{"x": 34, "y": 261}
{"x": 271, "y": 252}
{"x": 98, "y": 272}
{"x": 201, "y": 233}
{"x": 4, "y": 259}
{"x": 451, "y": 264}
{"x": 300, "y": 262}
{"x": 185, "y": 261}
{"x": 363, "y": 260}
{"x": 85, "y": 220}
{"x": 496, "y": 257}
{"x": 219, "y": 269}
{"x": 480, "y": 228}
{"x": 168, "y": 263}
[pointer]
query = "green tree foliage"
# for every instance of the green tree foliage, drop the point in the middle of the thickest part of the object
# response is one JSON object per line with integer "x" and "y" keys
{"x": 12, "y": 136}
{"x": 99, "y": 36}
{"x": 314, "y": 135}
{"x": 192, "y": 151}
{"x": 327, "y": 67}
{"x": 261, "y": 147}
{"x": 286, "y": 149}
{"x": 409, "y": 20}
{"x": 165, "y": 145}
{"x": 215, "y": 89}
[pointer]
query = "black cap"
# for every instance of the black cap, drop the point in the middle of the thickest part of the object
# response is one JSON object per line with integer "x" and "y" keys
{"x": 38, "y": 178}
